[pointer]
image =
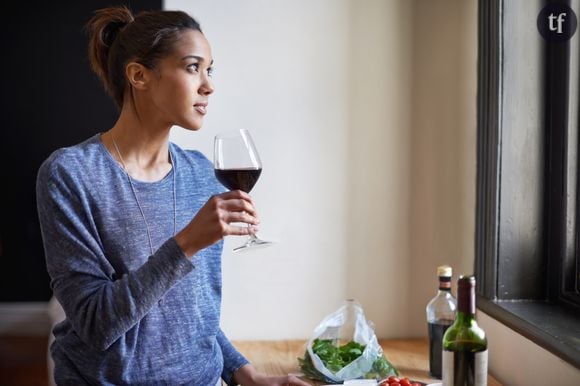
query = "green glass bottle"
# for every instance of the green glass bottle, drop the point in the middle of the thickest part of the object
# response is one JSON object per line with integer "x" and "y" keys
{"x": 464, "y": 360}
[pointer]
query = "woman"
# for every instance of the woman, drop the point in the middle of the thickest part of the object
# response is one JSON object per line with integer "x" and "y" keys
{"x": 132, "y": 224}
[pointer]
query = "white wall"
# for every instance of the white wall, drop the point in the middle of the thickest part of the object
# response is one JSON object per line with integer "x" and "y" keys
{"x": 325, "y": 87}
{"x": 282, "y": 70}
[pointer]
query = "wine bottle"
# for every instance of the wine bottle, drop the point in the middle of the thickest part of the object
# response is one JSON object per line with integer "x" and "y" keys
{"x": 440, "y": 315}
{"x": 464, "y": 359}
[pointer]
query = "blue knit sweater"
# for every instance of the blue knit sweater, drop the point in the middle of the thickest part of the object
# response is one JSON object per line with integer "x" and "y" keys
{"x": 132, "y": 318}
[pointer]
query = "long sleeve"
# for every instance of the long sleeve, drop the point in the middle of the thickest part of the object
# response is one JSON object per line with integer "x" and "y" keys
{"x": 100, "y": 306}
{"x": 233, "y": 360}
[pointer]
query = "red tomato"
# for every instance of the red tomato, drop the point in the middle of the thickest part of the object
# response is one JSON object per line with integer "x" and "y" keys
{"x": 392, "y": 379}
{"x": 395, "y": 384}
{"x": 405, "y": 382}
{"x": 416, "y": 384}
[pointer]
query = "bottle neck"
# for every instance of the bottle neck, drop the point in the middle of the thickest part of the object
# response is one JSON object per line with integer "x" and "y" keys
{"x": 466, "y": 300}
{"x": 445, "y": 283}
{"x": 463, "y": 318}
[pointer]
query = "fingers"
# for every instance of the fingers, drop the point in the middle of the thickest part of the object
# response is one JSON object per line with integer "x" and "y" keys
{"x": 237, "y": 206}
{"x": 295, "y": 381}
{"x": 236, "y": 194}
{"x": 290, "y": 380}
{"x": 234, "y": 201}
{"x": 233, "y": 230}
{"x": 230, "y": 213}
{"x": 245, "y": 217}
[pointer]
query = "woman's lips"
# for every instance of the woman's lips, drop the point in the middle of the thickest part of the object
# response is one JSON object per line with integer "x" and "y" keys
{"x": 200, "y": 108}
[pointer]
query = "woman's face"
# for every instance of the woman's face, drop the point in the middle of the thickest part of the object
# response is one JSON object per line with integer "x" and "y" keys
{"x": 181, "y": 83}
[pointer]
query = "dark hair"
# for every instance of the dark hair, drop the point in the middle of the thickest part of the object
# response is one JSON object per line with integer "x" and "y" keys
{"x": 116, "y": 37}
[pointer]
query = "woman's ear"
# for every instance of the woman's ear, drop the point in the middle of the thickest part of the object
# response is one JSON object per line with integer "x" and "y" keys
{"x": 138, "y": 75}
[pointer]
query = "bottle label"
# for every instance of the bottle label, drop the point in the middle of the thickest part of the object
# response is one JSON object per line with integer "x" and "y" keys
{"x": 464, "y": 368}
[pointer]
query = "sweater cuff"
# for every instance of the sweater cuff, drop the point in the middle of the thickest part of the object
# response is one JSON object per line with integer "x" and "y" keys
{"x": 231, "y": 368}
{"x": 173, "y": 261}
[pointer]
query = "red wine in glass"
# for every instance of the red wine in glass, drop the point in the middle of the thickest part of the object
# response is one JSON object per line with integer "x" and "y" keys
{"x": 237, "y": 165}
{"x": 242, "y": 179}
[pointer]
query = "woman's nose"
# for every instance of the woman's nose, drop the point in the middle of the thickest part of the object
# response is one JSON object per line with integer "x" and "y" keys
{"x": 207, "y": 87}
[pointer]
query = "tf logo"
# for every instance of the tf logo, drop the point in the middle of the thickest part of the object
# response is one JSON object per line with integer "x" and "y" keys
{"x": 557, "y": 22}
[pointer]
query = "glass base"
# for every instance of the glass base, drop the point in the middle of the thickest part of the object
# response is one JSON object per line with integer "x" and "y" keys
{"x": 252, "y": 243}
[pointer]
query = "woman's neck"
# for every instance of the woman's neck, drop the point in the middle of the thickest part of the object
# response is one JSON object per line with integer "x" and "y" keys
{"x": 143, "y": 149}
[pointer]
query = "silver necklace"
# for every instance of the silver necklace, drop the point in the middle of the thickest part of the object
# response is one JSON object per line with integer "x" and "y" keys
{"x": 137, "y": 197}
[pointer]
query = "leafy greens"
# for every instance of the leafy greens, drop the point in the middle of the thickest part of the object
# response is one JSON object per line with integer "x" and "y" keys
{"x": 336, "y": 357}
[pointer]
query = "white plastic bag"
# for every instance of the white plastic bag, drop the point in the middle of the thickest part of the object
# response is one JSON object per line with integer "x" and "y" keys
{"x": 346, "y": 324}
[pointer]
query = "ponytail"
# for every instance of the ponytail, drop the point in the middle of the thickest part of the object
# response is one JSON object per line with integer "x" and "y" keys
{"x": 104, "y": 29}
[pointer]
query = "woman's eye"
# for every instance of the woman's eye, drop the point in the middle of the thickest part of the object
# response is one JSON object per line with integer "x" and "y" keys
{"x": 193, "y": 67}
{"x": 210, "y": 71}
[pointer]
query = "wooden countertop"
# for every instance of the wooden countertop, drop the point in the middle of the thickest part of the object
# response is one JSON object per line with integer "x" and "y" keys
{"x": 410, "y": 357}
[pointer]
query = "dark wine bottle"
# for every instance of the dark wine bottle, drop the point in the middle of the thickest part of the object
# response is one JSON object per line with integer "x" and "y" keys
{"x": 440, "y": 316}
{"x": 464, "y": 343}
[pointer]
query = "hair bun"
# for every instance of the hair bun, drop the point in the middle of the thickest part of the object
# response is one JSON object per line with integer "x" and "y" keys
{"x": 111, "y": 21}
{"x": 111, "y": 31}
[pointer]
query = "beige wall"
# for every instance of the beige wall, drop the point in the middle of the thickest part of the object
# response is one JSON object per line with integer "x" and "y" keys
{"x": 515, "y": 360}
{"x": 380, "y": 162}
{"x": 442, "y": 213}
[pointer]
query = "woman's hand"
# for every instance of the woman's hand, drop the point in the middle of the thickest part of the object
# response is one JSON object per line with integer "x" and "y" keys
{"x": 248, "y": 376}
{"x": 214, "y": 219}
{"x": 289, "y": 380}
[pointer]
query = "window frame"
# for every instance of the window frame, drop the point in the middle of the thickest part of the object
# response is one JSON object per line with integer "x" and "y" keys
{"x": 524, "y": 285}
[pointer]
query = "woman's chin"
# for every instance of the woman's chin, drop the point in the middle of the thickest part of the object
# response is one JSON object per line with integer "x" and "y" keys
{"x": 190, "y": 126}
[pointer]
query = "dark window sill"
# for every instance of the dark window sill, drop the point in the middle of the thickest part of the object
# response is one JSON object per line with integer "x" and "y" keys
{"x": 552, "y": 327}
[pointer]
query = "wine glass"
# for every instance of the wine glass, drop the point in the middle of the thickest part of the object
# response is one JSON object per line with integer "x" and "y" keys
{"x": 237, "y": 165}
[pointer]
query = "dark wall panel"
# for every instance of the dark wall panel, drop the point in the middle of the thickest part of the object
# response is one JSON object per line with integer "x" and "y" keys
{"x": 49, "y": 99}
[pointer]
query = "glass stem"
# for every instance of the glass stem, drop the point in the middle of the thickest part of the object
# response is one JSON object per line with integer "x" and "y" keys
{"x": 252, "y": 235}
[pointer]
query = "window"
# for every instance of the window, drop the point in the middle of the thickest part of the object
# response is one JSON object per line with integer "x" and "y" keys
{"x": 527, "y": 238}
